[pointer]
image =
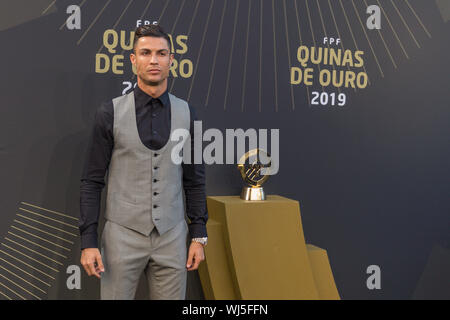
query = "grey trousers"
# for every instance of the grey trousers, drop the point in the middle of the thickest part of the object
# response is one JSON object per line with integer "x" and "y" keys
{"x": 127, "y": 253}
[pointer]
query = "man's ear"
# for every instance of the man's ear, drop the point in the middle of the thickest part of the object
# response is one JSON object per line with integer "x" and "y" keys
{"x": 132, "y": 58}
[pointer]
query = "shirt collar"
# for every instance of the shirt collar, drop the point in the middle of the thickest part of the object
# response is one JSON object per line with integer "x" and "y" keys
{"x": 143, "y": 98}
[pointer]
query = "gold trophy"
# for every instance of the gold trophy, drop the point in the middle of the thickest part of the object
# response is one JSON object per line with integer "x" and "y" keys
{"x": 252, "y": 174}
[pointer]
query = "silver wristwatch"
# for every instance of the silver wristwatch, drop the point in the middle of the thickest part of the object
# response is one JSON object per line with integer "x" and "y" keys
{"x": 203, "y": 240}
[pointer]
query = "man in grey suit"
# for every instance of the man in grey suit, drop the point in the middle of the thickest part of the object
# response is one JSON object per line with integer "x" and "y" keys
{"x": 145, "y": 229}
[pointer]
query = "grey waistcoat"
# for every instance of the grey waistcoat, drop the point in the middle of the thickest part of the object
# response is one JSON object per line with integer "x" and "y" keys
{"x": 144, "y": 185}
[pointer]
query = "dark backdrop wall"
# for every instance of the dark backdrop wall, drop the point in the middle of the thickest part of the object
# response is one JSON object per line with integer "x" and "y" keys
{"x": 371, "y": 174}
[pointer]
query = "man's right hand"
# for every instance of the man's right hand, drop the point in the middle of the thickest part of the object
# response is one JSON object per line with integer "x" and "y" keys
{"x": 91, "y": 260}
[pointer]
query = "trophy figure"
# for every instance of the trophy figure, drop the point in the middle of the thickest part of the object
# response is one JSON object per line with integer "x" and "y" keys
{"x": 254, "y": 174}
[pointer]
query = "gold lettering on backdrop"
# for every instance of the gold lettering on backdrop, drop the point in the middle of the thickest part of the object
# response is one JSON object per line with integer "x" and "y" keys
{"x": 332, "y": 57}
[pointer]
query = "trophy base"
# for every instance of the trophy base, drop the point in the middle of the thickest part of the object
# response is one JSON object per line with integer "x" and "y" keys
{"x": 253, "y": 194}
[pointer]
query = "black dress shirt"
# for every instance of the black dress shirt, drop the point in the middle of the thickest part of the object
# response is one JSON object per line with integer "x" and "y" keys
{"x": 153, "y": 123}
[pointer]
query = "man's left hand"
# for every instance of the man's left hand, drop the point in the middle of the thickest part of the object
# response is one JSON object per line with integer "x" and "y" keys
{"x": 195, "y": 256}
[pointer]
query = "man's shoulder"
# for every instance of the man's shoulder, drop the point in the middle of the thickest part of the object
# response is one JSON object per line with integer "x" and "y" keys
{"x": 191, "y": 107}
{"x": 104, "y": 115}
{"x": 121, "y": 97}
{"x": 106, "y": 108}
{"x": 174, "y": 97}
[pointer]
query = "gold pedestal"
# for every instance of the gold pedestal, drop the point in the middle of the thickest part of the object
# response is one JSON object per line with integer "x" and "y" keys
{"x": 257, "y": 250}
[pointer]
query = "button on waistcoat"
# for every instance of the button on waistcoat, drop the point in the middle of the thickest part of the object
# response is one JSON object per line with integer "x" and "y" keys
{"x": 144, "y": 185}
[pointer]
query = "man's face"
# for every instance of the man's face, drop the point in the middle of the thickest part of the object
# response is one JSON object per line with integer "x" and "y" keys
{"x": 152, "y": 60}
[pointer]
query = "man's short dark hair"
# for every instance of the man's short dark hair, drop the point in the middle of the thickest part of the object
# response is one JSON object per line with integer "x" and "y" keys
{"x": 151, "y": 30}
